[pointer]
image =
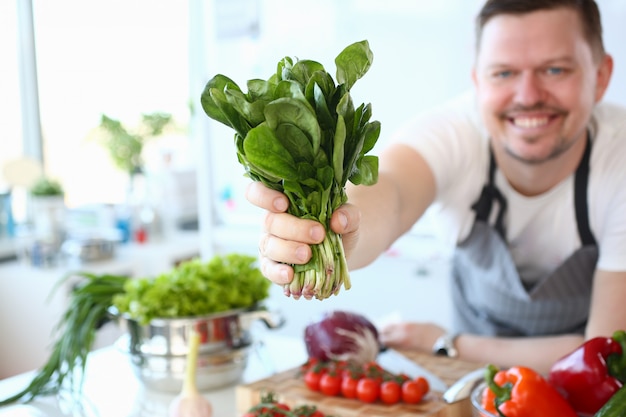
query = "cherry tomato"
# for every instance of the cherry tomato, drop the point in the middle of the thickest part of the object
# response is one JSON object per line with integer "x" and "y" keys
{"x": 312, "y": 379}
{"x": 402, "y": 377}
{"x": 373, "y": 370}
{"x": 307, "y": 411}
{"x": 390, "y": 392}
{"x": 411, "y": 392}
{"x": 309, "y": 364}
{"x": 330, "y": 384}
{"x": 368, "y": 390}
{"x": 348, "y": 386}
{"x": 281, "y": 406}
{"x": 423, "y": 384}
{"x": 274, "y": 409}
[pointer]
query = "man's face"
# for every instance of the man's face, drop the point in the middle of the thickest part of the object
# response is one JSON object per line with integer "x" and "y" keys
{"x": 537, "y": 81}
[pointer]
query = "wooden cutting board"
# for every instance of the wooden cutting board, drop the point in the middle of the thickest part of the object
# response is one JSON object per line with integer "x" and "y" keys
{"x": 290, "y": 389}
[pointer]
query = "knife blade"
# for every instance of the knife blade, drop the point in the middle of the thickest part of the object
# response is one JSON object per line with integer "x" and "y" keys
{"x": 396, "y": 362}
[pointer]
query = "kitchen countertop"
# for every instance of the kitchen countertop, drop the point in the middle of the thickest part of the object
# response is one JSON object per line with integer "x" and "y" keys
{"x": 112, "y": 390}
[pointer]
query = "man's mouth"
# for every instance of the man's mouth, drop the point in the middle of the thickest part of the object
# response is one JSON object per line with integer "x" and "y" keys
{"x": 526, "y": 122}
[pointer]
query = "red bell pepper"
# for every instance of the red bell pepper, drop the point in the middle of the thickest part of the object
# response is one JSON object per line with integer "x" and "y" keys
{"x": 522, "y": 392}
{"x": 591, "y": 374}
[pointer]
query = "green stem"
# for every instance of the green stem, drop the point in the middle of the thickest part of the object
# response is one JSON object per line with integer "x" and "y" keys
{"x": 617, "y": 363}
{"x": 324, "y": 274}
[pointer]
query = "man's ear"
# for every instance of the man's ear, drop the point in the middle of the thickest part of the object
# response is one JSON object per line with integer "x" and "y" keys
{"x": 605, "y": 70}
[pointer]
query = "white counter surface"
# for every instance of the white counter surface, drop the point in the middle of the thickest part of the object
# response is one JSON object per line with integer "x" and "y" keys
{"x": 112, "y": 390}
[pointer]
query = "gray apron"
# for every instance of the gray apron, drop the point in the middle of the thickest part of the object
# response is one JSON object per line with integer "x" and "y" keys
{"x": 488, "y": 295}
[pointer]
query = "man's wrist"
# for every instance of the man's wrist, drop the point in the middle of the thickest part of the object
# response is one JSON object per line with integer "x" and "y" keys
{"x": 445, "y": 345}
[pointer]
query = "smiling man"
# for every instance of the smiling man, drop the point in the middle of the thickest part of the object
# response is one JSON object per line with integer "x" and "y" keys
{"x": 526, "y": 175}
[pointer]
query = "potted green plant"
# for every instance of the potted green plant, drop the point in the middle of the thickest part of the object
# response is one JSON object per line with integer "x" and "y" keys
{"x": 125, "y": 145}
{"x": 46, "y": 187}
{"x": 47, "y": 210}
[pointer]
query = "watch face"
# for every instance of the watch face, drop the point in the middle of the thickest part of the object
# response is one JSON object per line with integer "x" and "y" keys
{"x": 442, "y": 351}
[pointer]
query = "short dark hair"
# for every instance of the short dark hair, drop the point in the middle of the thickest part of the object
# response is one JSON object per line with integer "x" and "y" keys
{"x": 587, "y": 11}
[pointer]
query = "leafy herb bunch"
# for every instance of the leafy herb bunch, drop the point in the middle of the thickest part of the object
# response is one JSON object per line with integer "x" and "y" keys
{"x": 300, "y": 133}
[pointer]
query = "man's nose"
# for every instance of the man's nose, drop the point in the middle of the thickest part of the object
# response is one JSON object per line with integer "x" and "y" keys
{"x": 530, "y": 90}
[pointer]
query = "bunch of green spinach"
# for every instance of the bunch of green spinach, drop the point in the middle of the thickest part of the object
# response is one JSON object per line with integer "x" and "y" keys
{"x": 299, "y": 132}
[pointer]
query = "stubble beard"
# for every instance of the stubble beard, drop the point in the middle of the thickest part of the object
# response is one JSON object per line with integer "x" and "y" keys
{"x": 563, "y": 146}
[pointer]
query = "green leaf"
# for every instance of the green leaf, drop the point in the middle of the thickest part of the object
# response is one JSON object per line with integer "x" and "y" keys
{"x": 234, "y": 119}
{"x": 289, "y": 89}
{"x": 297, "y": 113}
{"x": 219, "y": 82}
{"x": 260, "y": 90}
{"x": 283, "y": 69}
{"x": 371, "y": 132}
{"x": 345, "y": 108}
{"x": 307, "y": 172}
{"x": 265, "y": 151}
{"x": 296, "y": 142}
{"x": 366, "y": 171}
{"x": 303, "y": 70}
{"x": 317, "y": 96}
{"x": 338, "y": 150}
{"x": 251, "y": 111}
{"x": 353, "y": 63}
{"x": 324, "y": 81}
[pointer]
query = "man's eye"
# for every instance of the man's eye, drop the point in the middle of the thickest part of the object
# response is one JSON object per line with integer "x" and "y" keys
{"x": 555, "y": 71}
{"x": 503, "y": 74}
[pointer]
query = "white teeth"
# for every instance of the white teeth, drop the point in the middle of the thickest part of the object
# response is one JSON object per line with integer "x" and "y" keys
{"x": 530, "y": 122}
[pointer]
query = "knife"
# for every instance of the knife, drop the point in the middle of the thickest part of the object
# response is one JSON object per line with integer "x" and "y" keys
{"x": 396, "y": 362}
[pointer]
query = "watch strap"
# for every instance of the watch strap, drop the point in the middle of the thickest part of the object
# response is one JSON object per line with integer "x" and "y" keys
{"x": 445, "y": 346}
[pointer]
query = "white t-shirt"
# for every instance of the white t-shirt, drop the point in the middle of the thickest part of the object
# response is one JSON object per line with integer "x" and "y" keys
{"x": 541, "y": 230}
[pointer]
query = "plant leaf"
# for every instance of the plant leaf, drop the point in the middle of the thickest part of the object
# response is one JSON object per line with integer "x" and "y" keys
{"x": 265, "y": 151}
{"x": 234, "y": 119}
{"x": 353, "y": 63}
{"x": 303, "y": 70}
{"x": 366, "y": 172}
{"x": 371, "y": 132}
{"x": 297, "y": 113}
{"x": 251, "y": 111}
{"x": 315, "y": 94}
{"x": 339, "y": 143}
{"x": 219, "y": 82}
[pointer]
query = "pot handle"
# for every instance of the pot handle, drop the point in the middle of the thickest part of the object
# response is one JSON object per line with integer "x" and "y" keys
{"x": 271, "y": 319}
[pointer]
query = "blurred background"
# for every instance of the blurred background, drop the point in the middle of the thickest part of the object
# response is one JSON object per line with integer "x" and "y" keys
{"x": 67, "y": 63}
{"x": 86, "y": 87}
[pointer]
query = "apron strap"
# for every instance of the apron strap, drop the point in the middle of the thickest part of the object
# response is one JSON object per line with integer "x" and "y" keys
{"x": 490, "y": 192}
{"x": 580, "y": 197}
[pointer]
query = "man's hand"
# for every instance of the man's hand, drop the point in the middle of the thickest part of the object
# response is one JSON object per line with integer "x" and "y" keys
{"x": 286, "y": 239}
{"x": 411, "y": 335}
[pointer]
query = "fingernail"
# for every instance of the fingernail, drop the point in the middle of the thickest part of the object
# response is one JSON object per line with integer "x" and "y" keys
{"x": 284, "y": 275}
{"x": 280, "y": 204}
{"x": 343, "y": 220}
{"x": 317, "y": 233}
{"x": 302, "y": 253}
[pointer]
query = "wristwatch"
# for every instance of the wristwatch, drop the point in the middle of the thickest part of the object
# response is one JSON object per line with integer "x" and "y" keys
{"x": 444, "y": 346}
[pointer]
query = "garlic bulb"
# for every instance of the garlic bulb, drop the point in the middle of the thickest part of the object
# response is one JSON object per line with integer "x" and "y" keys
{"x": 190, "y": 403}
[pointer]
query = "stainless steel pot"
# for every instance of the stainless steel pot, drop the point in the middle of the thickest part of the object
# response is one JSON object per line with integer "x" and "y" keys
{"x": 89, "y": 249}
{"x": 158, "y": 350}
